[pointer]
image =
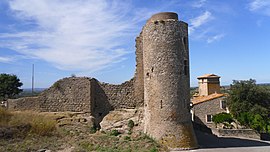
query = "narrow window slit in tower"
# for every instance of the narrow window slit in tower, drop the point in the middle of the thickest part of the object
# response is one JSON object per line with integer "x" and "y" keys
{"x": 185, "y": 42}
{"x": 185, "y": 67}
{"x": 152, "y": 69}
{"x": 161, "y": 106}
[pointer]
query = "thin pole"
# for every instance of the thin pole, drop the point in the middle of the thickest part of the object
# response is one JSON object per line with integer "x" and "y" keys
{"x": 33, "y": 67}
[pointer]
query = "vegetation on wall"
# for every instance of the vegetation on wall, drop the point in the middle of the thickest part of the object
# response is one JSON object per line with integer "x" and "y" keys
{"x": 9, "y": 86}
{"x": 249, "y": 103}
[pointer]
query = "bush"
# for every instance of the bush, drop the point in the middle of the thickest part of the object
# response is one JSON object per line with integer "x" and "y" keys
{"x": 127, "y": 138}
{"x": 131, "y": 124}
{"x": 114, "y": 133}
{"x": 93, "y": 130}
{"x": 222, "y": 117}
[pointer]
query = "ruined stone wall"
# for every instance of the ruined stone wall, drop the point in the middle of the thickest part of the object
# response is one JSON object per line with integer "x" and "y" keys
{"x": 211, "y": 107}
{"x": 121, "y": 96}
{"x": 166, "y": 81}
{"x": 82, "y": 94}
{"x": 27, "y": 103}
{"x": 68, "y": 94}
{"x": 138, "y": 78}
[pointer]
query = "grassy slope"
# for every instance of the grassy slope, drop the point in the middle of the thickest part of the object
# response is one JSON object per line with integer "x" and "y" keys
{"x": 33, "y": 131}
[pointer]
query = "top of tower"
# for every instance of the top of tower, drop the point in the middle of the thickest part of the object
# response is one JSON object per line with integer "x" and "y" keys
{"x": 208, "y": 76}
{"x": 164, "y": 16}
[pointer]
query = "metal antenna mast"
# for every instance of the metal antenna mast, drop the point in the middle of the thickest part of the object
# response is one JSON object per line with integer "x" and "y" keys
{"x": 33, "y": 67}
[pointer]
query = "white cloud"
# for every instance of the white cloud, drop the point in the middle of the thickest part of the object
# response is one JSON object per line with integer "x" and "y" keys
{"x": 83, "y": 35}
{"x": 260, "y": 6}
{"x": 200, "y": 29}
{"x": 199, "y": 3}
{"x": 215, "y": 38}
{"x": 6, "y": 59}
{"x": 199, "y": 21}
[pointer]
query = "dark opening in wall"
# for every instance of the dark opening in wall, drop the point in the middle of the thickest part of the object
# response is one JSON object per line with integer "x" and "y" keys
{"x": 185, "y": 42}
{"x": 147, "y": 74}
{"x": 161, "y": 106}
{"x": 152, "y": 69}
{"x": 185, "y": 67}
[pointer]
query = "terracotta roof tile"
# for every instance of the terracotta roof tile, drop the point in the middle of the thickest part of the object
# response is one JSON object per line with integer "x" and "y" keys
{"x": 201, "y": 99}
{"x": 208, "y": 76}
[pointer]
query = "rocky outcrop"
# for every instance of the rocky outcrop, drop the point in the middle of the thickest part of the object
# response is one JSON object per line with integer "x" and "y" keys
{"x": 119, "y": 119}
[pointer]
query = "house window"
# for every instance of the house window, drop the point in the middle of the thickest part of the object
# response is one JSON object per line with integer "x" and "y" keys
{"x": 222, "y": 104}
{"x": 209, "y": 118}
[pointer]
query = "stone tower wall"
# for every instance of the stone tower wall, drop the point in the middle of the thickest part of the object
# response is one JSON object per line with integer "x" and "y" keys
{"x": 138, "y": 78}
{"x": 166, "y": 81}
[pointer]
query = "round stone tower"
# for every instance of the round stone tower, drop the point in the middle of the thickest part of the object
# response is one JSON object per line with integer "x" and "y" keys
{"x": 166, "y": 82}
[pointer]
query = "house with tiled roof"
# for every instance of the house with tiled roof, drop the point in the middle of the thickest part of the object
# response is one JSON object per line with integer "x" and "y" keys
{"x": 209, "y": 101}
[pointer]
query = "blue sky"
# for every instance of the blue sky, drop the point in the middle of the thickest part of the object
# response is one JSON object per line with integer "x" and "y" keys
{"x": 96, "y": 38}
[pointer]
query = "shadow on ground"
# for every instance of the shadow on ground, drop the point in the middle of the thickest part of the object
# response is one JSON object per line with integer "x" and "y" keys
{"x": 206, "y": 140}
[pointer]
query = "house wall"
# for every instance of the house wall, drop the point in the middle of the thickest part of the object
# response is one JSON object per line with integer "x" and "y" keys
{"x": 209, "y": 86}
{"x": 211, "y": 107}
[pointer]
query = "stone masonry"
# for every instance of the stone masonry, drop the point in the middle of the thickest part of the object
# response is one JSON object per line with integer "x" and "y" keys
{"x": 160, "y": 85}
{"x": 166, "y": 82}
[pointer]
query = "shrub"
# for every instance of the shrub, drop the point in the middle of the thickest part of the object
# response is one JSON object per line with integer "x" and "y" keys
{"x": 131, "y": 124}
{"x": 93, "y": 130}
{"x": 127, "y": 138}
{"x": 57, "y": 85}
{"x": 222, "y": 117}
{"x": 114, "y": 133}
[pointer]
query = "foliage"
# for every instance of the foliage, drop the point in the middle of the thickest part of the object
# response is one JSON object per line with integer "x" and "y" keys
{"x": 114, "y": 133}
{"x": 222, "y": 117}
{"x": 131, "y": 124}
{"x": 9, "y": 86}
{"x": 127, "y": 138}
{"x": 250, "y": 104}
{"x": 57, "y": 85}
{"x": 93, "y": 130}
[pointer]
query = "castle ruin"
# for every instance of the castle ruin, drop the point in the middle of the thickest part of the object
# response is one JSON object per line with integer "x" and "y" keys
{"x": 161, "y": 86}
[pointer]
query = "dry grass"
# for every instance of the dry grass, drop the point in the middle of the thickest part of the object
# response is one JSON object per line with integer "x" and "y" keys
{"x": 40, "y": 124}
{"x": 5, "y": 117}
{"x": 34, "y": 131}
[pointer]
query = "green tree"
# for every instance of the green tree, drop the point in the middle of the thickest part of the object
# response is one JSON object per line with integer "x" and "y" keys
{"x": 9, "y": 86}
{"x": 250, "y": 104}
{"x": 222, "y": 117}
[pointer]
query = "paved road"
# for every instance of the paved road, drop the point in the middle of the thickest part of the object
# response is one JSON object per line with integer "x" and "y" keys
{"x": 238, "y": 149}
{"x": 212, "y": 143}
